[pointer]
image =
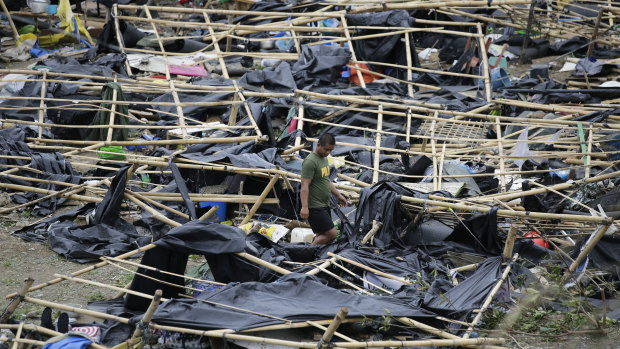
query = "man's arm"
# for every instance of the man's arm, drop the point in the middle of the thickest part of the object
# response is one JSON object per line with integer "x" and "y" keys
{"x": 305, "y": 184}
{"x": 341, "y": 199}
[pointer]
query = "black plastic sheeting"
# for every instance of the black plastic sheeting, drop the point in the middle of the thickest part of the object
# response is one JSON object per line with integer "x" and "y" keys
{"x": 381, "y": 202}
{"x": 205, "y": 238}
{"x": 106, "y": 235}
{"x": 295, "y": 297}
{"x": 470, "y": 293}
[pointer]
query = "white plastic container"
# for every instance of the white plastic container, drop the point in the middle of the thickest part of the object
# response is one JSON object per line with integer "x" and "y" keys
{"x": 39, "y": 6}
{"x": 302, "y": 235}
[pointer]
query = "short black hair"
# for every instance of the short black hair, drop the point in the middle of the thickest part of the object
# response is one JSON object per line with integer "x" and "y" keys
{"x": 327, "y": 139}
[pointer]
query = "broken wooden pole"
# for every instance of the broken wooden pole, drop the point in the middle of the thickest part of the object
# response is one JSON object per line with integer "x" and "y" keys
{"x": 260, "y": 200}
{"x": 8, "y": 15}
{"x": 595, "y": 32}
{"x": 526, "y": 39}
{"x": 510, "y": 241}
{"x": 589, "y": 246}
{"x": 209, "y": 213}
{"x": 18, "y": 299}
{"x": 333, "y": 326}
{"x": 146, "y": 319}
{"x": 371, "y": 233}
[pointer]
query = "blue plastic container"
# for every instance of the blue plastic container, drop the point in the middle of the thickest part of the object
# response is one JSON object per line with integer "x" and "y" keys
{"x": 52, "y": 9}
{"x": 221, "y": 210}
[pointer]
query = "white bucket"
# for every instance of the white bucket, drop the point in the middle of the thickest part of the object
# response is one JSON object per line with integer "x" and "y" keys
{"x": 39, "y": 6}
{"x": 302, "y": 235}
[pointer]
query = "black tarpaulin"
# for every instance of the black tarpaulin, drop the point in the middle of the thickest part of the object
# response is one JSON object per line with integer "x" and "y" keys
{"x": 106, "y": 235}
{"x": 480, "y": 232}
{"x": 200, "y": 237}
{"x": 319, "y": 65}
{"x": 470, "y": 293}
{"x": 295, "y": 297}
{"x": 272, "y": 79}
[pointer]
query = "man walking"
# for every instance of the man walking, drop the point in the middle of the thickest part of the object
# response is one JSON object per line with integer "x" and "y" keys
{"x": 316, "y": 189}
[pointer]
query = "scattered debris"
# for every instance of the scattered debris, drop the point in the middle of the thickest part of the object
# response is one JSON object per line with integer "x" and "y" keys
{"x": 475, "y": 170}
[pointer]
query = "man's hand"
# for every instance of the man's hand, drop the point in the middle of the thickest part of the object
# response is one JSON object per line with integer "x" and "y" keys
{"x": 304, "y": 213}
{"x": 342, "y": 201}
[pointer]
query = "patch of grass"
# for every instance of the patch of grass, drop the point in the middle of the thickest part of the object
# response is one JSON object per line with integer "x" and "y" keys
{"x": 97, "y": 296}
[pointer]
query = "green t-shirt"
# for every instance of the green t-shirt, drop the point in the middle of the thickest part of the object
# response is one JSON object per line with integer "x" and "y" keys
{"x": 316, "y": 168}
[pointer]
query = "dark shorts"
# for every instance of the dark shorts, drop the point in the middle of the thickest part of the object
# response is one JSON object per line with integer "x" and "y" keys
{"x": 320, "y": 220}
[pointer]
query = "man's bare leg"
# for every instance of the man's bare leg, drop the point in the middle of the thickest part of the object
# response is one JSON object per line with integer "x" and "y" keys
{"x": 326, "y": 238}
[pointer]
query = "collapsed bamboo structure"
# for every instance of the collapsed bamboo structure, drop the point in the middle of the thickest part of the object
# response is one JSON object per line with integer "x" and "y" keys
{"x": 430, "y": 129}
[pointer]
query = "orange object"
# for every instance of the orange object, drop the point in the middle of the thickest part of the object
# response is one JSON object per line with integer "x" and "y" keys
{"x": 368, "y": 77}
{"x": 539, "y": 241}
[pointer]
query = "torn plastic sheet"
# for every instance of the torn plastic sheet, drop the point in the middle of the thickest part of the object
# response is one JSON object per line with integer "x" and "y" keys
{"x": 479, "y": 232}
{"x": 190, "y": 107}
{"x": 106, "y": 235}
{"x": 295, "y": 297}
{"x": 319, "y": 65}
{"x": 470, "y": 293}
{"x": 272, "y": 79}
{"x": 593, "y": 67}
{"x": 205, "y": 238}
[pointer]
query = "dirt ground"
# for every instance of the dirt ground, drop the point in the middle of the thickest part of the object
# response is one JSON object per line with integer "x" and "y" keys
{"x": 20, "y": 259}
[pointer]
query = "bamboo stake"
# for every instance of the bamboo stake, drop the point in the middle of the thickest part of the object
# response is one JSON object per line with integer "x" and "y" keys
{"x": 119, "y": 37}
{"x": 158, "y": 142}
{"x": 300, "y": 124}
{"x": 589, "y": 246}
{"x": 260, "y": 200}
{"x": 595, "y": 32}
{"x": 18, "y": 335}
{"x": 371, "y": 233}
{"x": 346, "y": 282}
{"x": 375, "y": 174}
{"x": 434, "y": 155}
{"x": 148, "y": 315}
{"x": 510, "y": 241}
{"x": 485, "y": 65}
{"x": 8, "y": 16}
{"x": 490, "y": 297}
{"x": 42, "y": 103}
{"x": 216, "y": 46}
{"x": 314, "y": 324}
{"x": 112, "y": 115}
{"x": 333, "y": 326}
{"x": 248, "y": 111}
{"x": 589, "y": 156}
{"x": 347, "y": 35}
{"x": 209, "y": 213}
{"x": 323, "y": 265}
{"x": 408, "y": 130}
{"x": 361, "y": 278}
{"x": 409, "y": 64}
{"x": 15, "y": 302}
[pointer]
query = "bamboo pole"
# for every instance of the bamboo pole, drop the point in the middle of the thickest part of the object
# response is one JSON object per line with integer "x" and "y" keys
{"x": 148, "y": 315}
{"x": 42, "y": 103}
{"x": 15, "y": 302}
{"x": 434, "y": 155}
{"x": 112, "y": 113}
{"x": 589, "y": 246}
{"x": 371, "y": 233}
{"x": 157, "y": 142}
{"x": 595, "y": 32}
{"x": 510, "y": 241}
{"x": 333, "y": 326}
{"x": 485, "y": 65}
{"x": 313, "y": 345}
{"x": 434, "y": 331}
{"x": 409, "y": 64}
{"x": 8, "y": 16}
{"x": 375, "y": 174}
{"x": 323, "y": 265}
{"x": 92, "y": 313}
{"x": 347, "y": 35}
{"x": 300, "y": 124}
{"x": 260, "y": 200}
{"x": 216, "y": 46}
{"x": 18, "y": 335}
